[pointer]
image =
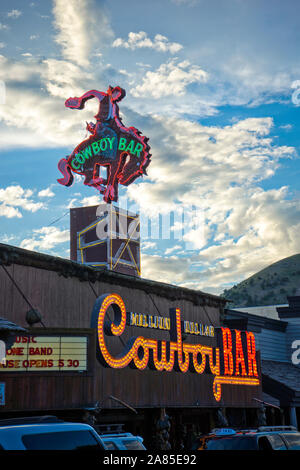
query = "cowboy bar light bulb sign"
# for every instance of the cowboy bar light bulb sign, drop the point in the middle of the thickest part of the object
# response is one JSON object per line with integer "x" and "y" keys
{"x": 123, "y": 152}
{"x": 233, "y": 363}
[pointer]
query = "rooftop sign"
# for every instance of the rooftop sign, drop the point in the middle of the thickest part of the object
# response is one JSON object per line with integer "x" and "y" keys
{"x": 112, "y": 147}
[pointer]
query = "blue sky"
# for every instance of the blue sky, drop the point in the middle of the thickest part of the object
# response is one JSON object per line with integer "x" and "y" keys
{"x": 214, "y": 85}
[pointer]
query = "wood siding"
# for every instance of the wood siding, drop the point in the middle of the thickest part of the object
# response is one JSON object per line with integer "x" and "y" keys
{"x": 292, "y": 334}
{"x": 68, "y": 303}
{"x": 272, "y": 345}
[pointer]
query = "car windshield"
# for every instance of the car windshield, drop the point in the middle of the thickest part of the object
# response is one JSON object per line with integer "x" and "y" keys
{"x": 65, "y": 440}
{"x": 232, "y": 443}
{"x": 293, "y": 440}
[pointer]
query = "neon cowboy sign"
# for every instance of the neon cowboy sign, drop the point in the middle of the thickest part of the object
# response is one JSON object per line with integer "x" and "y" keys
{"x": 113, "y": 154}
{"x": 238, "y": 364}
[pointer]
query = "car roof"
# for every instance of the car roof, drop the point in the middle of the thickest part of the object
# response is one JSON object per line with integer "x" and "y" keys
{"x": 124, "y": 437}
{"x": 11, "y": 436}
{"x": 283, "y": 431}
{"x": 259, "y": 431}
{"x": 253, "y": 434}
{"x": 46, "y": 427}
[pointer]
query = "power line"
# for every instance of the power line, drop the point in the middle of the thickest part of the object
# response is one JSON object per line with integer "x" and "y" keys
{"x": 210, "y": 320}
{"x": 154, "y": 303}
{"x": 57, "y": 220}
{"x": 20, "y": 291}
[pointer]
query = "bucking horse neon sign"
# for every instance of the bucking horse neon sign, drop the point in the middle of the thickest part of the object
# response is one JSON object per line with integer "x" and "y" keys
{"x": 123, "y": 151}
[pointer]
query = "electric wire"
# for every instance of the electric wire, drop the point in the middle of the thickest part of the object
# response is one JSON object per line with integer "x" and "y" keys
{"x": 57, "y": 220}
{"x": 20, "y": 291}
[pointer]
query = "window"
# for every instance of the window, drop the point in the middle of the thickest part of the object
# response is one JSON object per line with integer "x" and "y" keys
{"x": 65, "y": 440}
{"x": 133, "y": 444}
{"x": 110, "y": 445}
{"x": 293, "y": 441}
{"x": 233, "y": 443}
{"x": 276, "y": 442}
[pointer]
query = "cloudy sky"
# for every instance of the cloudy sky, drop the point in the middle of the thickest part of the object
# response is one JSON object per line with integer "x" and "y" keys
{"x": 214, "y": 85}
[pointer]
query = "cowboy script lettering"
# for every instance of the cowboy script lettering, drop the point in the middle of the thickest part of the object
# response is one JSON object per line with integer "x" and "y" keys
{"x": 233, "y": 363}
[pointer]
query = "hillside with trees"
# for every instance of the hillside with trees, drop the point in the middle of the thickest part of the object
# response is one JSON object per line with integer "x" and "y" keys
{"x": 270, "y": 286}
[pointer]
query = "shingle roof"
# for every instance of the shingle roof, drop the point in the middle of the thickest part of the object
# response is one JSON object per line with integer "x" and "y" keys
{"x": 282, "y": 372}
{"x": 270, "y": 400}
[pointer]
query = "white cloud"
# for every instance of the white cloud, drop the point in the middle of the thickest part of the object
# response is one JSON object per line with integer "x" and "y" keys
{"x": 72, "y": 203}
{"x": 164, "y": 269}
{"x": 185, "y": 2}
{"x": 141, "y": 64}
{"x": 14, "y": 14}
{"x": 46, "y": 193}
{"x": 12, "y": 198}
{"x": 172, "y": 249}
{"x": 9, "y": 212}
{"x": 91, "y": 201}
{"x": 79, "y": 23}
{"x": 141, "y": 40}
{"x": 41, "y": 85}
{"x": 61, "y": 78}
{"x": 33, "y": 37}
{"x": 48, "y": 123}
{"x": 45, "y": 239}
{"x": 148, "y": 245}
{"x": 170, "y": 78}
{"x": 7, "y": 238}
{"x": 3, "y": 27}
{"x": 219, "y": 170}
{"x": 286, "y": 127}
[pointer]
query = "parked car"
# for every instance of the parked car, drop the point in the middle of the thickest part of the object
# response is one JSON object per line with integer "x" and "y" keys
{"x": 114, "y": 437}
{"x": 51, "y": 433}
{"x": 47, "y": 433}
{"x": 122, "y": 441}
{"x": 262, "y": 438}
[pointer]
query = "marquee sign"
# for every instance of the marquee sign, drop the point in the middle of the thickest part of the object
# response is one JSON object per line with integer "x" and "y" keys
{"x": 233, "y": 363}
{"x": 112, "y": 147}
{"x": 46, "y": 354}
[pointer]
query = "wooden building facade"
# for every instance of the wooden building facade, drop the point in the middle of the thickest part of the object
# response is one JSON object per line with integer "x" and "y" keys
{"x": 64, "y": 294}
